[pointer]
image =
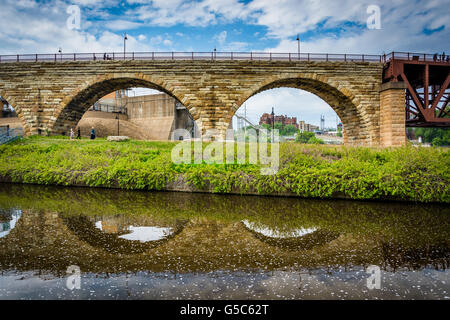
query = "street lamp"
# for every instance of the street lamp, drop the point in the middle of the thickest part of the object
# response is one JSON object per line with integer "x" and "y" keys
{"x": 125, "y": 38}
{"x": 273, "y": 124}
{"x": 118, "y": 124}
{"x": 298, "y": 45}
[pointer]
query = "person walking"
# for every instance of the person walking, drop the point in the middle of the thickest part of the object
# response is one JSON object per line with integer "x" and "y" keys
{"x": 72, "y": 134}
{"x": 92, "y": 133}
{"x": 79, "y": 133}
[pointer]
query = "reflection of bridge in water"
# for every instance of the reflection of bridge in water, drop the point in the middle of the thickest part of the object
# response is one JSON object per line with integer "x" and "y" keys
{"x": 51, "y": 241}
{"x": 212, "y": 232}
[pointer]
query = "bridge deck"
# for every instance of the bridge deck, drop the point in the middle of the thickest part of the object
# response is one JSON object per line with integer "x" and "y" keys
{"x": 262, "y": 56}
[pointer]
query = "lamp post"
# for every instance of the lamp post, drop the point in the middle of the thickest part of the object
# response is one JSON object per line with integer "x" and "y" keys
{"x": 298, "y": 46}
{"x": 125, "y": 38}
{"x": 273, "y": 124}
{"x": 118, "y": 124}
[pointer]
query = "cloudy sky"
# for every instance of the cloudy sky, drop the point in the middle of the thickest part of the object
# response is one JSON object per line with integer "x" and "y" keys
{"x": 332, "y": 26}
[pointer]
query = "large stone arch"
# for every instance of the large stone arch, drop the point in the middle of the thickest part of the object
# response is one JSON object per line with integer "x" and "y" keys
{"x": 358, "y": 127}
{"x": 79, "y": 100}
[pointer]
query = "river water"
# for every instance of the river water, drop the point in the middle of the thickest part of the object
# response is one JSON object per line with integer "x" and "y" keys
{"x": 161, "y": 245}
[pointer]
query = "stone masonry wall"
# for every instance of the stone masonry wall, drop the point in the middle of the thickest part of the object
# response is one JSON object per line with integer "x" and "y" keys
{"x": 54, "y": 96}
{"x": 392, "y": 114}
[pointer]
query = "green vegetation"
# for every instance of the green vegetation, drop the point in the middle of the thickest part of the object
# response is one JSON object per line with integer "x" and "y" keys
{"x": 320, "y": 171}
{"x": 308, "y": 137}
{"x": 435, "y": 136}
{"x": 287, "y": 130}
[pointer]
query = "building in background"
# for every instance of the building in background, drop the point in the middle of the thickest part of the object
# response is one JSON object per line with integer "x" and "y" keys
{"x": 306, "y": 127}
{"x": 284, "y": 120}
{"x": 268, "y": 119}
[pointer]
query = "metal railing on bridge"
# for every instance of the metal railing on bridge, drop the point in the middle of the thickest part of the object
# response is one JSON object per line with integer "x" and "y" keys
{"x": 9, "y": 135}
{"x": 257, "y": 56}
{"x": 414, "y": 56}
{"x": 104, "y": 107}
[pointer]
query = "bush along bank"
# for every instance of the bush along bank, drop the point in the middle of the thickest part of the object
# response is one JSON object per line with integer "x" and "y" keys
{"x": 316, "y": 171}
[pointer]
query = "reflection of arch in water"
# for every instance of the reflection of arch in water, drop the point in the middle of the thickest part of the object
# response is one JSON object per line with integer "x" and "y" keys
{"x": 300, "y": 239}
{"x": 8, "y": 220}
{"x": 88, "y": 232}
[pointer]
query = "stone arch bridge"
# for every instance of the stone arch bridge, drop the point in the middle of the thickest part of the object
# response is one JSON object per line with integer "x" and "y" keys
{"x": 51, "y": 96}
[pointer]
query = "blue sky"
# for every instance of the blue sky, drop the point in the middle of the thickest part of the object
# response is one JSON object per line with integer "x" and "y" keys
{"x": 332, "y": 26}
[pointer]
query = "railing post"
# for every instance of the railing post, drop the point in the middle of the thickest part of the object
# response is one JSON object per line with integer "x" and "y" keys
{"x": 408, "y": 56}
{"x": 345, "y": 57}
{"x": 251, "y": 55}
{"x": 172, "y": 55}
{"x": 289, "y": 56}
{"x": 327, "y": 57}
{"x": 362, "y": 58}
{"x": 308, "y": 57}
{"x": 153, "y": 55}
{"x": 36, "y": 57}
{"x": 424, "y": 57}
{"x": 231, "y": 55}
{"x": 74, "y": 57}
{"x": 133, "y": 56}
{"x": 192, "y": 55}
{"x": 271, "y": 56}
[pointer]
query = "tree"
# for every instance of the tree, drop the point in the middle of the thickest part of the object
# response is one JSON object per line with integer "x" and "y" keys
{"x": 303, "y": 137}
{"x": 308, "y": 137}
{"x": 435, "y": 136}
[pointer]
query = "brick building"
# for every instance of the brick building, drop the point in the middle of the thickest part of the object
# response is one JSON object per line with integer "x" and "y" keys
{"x": 284, "y": 120}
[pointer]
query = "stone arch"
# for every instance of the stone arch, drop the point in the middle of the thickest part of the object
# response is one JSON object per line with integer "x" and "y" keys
{"x": 78, "y": 101}
{"x": 10, "y": 99}
{"x": 341, "y": 100}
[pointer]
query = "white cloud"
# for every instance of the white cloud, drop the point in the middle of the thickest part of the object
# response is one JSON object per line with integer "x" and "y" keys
{"x": 122, "y": 25}
{"x": 221, "y": 37}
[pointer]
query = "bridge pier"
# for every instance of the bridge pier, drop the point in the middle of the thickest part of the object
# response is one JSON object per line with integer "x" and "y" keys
{"x": 392, "y": 114}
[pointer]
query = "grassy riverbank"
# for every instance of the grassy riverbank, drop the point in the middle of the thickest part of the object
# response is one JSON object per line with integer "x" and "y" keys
{"x": 409, "y": 173}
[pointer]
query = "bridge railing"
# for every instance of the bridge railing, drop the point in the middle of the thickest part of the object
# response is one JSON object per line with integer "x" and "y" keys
{"x": 258, "y": 56}
{"x": 262, "y": 56}
{"x": 414, "y": 56}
